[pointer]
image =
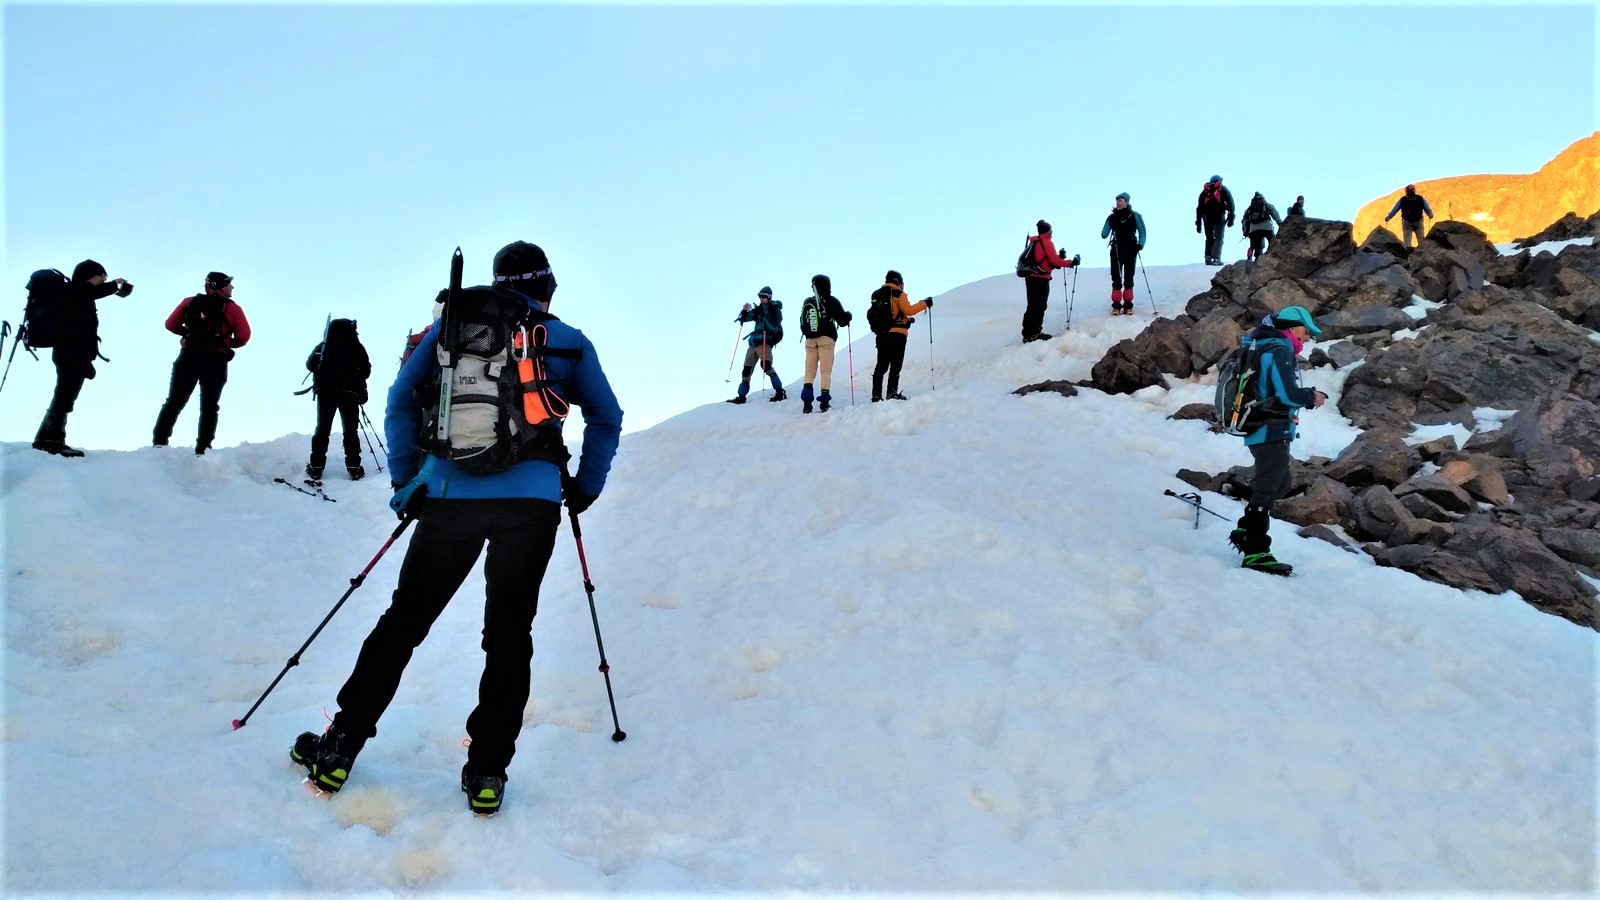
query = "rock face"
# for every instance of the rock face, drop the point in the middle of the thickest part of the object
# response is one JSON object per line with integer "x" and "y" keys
{"x": 1506, "y": 207}
{"x": 1516, "y": 508}
{"x": 1567, "y": 228}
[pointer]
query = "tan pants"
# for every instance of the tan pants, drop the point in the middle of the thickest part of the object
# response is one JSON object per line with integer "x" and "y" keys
{"x": 819, "y": 351}
{"x": 1410, "y": 230}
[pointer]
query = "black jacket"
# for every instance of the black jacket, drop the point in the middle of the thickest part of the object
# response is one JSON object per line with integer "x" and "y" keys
{"x": 339, "y": 366}
{"x": 1213, "y": 210}
{"x": 78, "y": 321}
{"x": 833, "y": 313}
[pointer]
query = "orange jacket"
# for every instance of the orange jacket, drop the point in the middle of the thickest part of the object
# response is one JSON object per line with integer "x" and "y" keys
{"x": 904, "y": 309}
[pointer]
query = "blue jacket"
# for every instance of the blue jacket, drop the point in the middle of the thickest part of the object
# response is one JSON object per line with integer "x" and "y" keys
{"x": 769, "y": 323}
{"x": 1278, "y": 387}
{"x": 581, "y": 382}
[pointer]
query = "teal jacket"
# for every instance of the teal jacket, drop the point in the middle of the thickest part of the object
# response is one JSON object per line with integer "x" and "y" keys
{"x": 1278, "y": 387}
{"x": 768, "y": 317}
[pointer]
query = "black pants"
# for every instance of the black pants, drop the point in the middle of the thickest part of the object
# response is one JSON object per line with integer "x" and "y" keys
{"x": 450, "y": 535}
{"x": 71, "y": 371}
{"x": 1123, "y": 261}
{"x": 891, "y": 356}
{"x": 1038, "y": 299}
{"x": 344, "y": 403}
{"x": 1269, "y": 484}
{"x": 1259, "y": 242}
{"x": 1214, "y": 230}
{"x": 208, "y": 370}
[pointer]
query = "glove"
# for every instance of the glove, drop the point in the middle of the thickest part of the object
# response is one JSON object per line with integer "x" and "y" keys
{"x": 1138, "y": 248}
{"x": 577, "y": 500}
{"x": 747, "y": 307}
{"x": 847, "y": 318}
{"x": 1197, "y": 228}
{"x": 124, "y": 288}
{"x": 928, "y": 301}
{"x": 88, "y": 371}
{"x": 407, "y": 499}
{"x": 1230, "y": 221}
{"x": 1076, "y": 258}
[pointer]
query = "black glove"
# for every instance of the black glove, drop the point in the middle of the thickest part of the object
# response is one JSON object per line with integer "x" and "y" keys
{"x": 1076, "y": 258}
{"x": 577, "y": 500}
{"x": 847, "y": 318}
{"x": 1197, "y": 228}
{"x": 929, "y": 301}
{"x": 1230, "y": 221}
{"x": 1138, "y": 248}
{"x": 124, "y": 288}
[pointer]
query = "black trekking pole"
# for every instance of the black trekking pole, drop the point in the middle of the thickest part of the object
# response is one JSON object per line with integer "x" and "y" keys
{"x": 588, "y": 588}
{"x": 5, "y": 329}
{"x": 19, "y": 341}
{"x": 354, "y": 583}
{"x": 1193, "y": 499}
{"x": 931, "y": 385}
{"x": 1147, "y": 289}
{"x": 371, "y": 433}
{"x": 1072, "y": 296}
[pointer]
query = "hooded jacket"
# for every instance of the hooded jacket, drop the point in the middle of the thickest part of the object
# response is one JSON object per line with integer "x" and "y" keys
{"x": 1278, "y": 387}
{"x": 1267, "y": 215}
{"x": 77, "y": 319}
{"x": 831, "y": 313}
{"x": 768, "y": 317}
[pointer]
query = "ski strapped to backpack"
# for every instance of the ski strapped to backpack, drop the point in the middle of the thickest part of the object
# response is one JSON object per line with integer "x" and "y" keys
{"x": 497, "y": 404}
{"x": 1028, "y": 261}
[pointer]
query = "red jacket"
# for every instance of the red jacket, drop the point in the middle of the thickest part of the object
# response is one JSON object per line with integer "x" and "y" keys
{"x": 236, "y": 334}
{"x": 1044, "y": 253}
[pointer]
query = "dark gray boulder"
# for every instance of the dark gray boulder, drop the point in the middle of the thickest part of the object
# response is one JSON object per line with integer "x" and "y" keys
{"x": 1376, "y": 456}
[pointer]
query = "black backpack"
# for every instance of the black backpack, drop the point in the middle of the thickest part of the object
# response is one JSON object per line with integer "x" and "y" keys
{"x": 205, "y": 324}
{"x": 1254, "y": 214}
{"x": 880, "y": 315}
{"x": 1027, "y": 263}
{"x": 41, "y": 319}
{"x": 1238, "y": 404}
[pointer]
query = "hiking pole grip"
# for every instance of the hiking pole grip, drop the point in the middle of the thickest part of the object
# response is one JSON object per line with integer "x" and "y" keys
{"x": 354, "y": 583}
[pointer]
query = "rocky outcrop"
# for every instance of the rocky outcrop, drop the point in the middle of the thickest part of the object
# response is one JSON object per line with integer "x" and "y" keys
{"x": 1568, "y": 227}
{"x": 1506, "y": 207}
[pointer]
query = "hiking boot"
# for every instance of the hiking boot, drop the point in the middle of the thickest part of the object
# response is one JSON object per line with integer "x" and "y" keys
{"x": 59, "y": 448}
{"x": 1264, "y": 562}
{"x": 313, "y": 472}
{"x": 484, "y": 792}
{"x": 824, "y": 401}
{"x": 1127, "y": 307}
{"x": 778, "y": 396}
{"x": 355, "y": 472}
{"x": 898, "y": 396}
{"x": 327, "y": 758}
{"x": 806, "y": 408}
{"x": 738, "y": 399}
{"x": 876, "y": 399}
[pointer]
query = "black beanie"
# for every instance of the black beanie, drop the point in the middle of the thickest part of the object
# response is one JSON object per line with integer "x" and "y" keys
{"x": 1043, "y": 226}
{"x": 216, "y": 281}
{"x": 87, "y": 270}
{"x": 524, "y": 266}
{"x": 893, "y": 277}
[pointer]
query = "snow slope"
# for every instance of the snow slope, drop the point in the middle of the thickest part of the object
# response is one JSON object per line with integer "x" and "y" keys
{"x": 961, "y": 642}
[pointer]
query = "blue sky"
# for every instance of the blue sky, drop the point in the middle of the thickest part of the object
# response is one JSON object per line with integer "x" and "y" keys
{"x": 672, "y": 160}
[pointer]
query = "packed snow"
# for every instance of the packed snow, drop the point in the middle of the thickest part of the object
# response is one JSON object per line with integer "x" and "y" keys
{"x": 962, "y": 642}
